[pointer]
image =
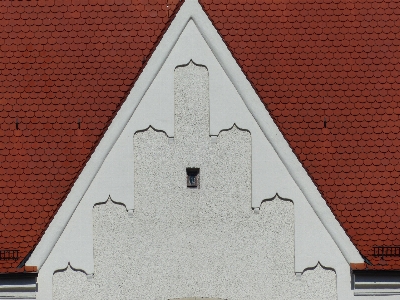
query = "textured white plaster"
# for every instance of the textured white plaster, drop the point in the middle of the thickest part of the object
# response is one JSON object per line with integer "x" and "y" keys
{"x": 184, "y": 242}
{"x": 171, "y": 249}
{"x": 110, "y": 169}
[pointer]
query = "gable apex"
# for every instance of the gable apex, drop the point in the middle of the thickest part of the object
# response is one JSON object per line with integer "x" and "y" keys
{"x": 192, "y": 11}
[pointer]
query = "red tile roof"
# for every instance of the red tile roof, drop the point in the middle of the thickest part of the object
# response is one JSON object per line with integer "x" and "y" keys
{"x": 327, "y": 70}
{"x": 65, "y": 69}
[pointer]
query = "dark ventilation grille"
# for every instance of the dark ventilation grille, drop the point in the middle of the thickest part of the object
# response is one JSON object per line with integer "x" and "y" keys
{"x": 193, "y": 179}
{"x": 387, "y": 251}
{"x": 8, "y": 255}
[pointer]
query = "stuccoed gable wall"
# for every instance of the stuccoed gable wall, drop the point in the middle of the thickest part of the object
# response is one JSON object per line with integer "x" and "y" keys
{"x": 204, "y": 242}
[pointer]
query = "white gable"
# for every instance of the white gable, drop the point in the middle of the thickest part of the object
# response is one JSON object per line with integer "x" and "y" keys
{"x": 275, "y": 169}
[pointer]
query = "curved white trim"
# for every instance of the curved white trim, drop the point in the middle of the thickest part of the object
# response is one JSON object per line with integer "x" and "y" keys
{"x": 191, "y": 10}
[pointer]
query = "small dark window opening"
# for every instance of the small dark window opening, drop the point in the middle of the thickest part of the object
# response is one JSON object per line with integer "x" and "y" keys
{"x": 193, "y": 177}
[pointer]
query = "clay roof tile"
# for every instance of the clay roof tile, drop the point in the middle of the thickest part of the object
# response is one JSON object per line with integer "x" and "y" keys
{"x": 305, "y": 70}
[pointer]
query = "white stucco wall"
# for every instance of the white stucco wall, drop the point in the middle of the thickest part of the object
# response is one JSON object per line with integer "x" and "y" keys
{"x": 112, "y": 169}
{"x": 175, "y": 251}
{"x": 183, "y": 242}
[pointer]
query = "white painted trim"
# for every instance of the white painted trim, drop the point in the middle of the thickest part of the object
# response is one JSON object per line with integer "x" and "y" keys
{"x": 191, "y": 9}
{"x": 386, "y": 292}
{"x": 17, "y": 296}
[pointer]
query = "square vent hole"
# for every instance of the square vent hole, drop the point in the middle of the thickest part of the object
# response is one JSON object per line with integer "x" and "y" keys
{"x": 193, "y": 177}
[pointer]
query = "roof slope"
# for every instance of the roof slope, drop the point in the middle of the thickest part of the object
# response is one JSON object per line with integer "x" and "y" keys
{"x": 65, "y": 68}
{"x": 327, "y": 71}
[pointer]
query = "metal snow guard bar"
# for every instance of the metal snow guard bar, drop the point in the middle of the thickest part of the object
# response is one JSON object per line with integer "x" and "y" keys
{"x": 387, "y": 251}
{"x": 9, "y": 255}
